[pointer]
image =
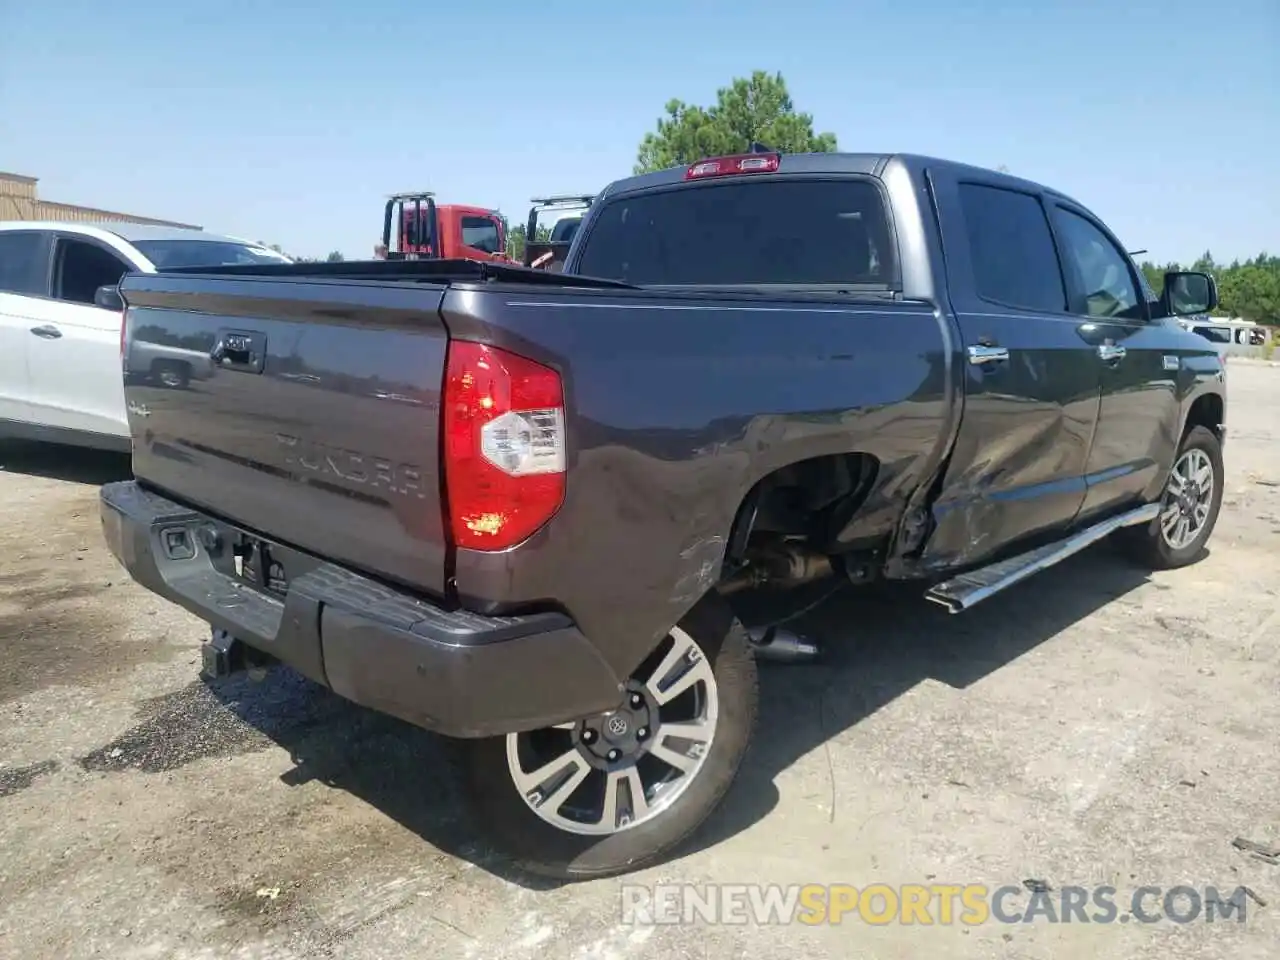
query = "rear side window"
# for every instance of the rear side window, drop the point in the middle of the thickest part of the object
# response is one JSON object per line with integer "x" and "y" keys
{"x": 480, "y": 233}
{"x": 1216, "y": 334}
{"x": 22, "y": 263}
{"x": 764, "y": 232}
{"x": 1015, "y": 263}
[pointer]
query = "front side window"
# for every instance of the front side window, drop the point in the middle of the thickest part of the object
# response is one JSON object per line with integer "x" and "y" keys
{"x": 1101, "y": 269}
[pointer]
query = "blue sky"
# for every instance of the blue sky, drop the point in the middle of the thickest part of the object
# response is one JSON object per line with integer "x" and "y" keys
{"x": 291, "y": 127}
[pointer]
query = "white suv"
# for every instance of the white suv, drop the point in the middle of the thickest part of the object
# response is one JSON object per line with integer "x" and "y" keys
{"x": 61, "y": 317}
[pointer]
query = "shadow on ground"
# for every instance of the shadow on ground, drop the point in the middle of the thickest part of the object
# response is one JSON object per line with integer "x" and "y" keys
{"x": 57, "y": 462}
{"x": 880, "y": 643}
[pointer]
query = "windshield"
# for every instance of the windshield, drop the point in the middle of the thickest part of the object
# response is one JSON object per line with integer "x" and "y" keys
{"x": 791, "y": 232}
{"x": 481, "y": 233}
{"x": 171, "y": 254}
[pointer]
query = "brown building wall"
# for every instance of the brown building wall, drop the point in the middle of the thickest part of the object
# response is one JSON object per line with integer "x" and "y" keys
{"x": 18, "y": 201}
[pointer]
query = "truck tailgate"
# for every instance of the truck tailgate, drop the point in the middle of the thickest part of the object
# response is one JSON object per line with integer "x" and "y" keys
{"x": 315, "y": 423}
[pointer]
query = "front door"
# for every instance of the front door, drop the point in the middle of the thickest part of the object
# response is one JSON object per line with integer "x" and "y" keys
{"x": 1031, "y": 382}
{"x": 1138, "y": 423}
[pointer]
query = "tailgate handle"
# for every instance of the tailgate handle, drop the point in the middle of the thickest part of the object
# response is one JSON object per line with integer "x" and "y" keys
{"x": 239, "y": 350}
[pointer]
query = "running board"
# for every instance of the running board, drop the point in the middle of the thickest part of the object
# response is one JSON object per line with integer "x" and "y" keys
{"x": 962, "y": 592}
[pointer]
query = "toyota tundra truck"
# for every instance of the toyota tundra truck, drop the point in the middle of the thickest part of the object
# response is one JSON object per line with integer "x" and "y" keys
{"x": 519, "y": 507}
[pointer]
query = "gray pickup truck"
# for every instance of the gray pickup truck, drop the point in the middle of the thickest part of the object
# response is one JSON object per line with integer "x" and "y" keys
{"x": 516, "y": 507}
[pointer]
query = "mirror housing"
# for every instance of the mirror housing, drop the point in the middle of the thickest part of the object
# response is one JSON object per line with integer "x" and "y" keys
{"x": 108, "y": 298}
{"x": 1188, "y": 292}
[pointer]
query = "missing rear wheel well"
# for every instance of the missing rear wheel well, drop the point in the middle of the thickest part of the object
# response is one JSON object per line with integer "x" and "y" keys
{"x": 811, "y": 501}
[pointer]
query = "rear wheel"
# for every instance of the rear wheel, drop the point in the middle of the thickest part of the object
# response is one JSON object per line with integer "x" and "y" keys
{"x": 1189, "y": 508}
{"x": 615, "y": 792}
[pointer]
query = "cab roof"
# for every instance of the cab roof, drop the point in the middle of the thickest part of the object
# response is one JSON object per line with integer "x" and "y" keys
{"x": 867, "y": 164}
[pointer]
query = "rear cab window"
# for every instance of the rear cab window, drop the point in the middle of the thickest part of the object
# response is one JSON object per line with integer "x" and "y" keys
{"x": 745, "y": 232}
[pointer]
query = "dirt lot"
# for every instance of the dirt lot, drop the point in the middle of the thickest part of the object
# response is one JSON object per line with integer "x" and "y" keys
{"x": 1095, "y": 726}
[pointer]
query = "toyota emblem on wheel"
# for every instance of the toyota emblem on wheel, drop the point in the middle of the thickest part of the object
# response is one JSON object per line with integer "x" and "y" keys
{"x": 617, "y": 725}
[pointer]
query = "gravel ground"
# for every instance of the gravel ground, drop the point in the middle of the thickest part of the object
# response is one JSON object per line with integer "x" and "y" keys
{"x": 1093, "y": 726}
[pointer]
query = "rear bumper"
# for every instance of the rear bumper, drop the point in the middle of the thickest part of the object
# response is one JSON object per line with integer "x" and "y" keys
{"x": 451, "y": 671}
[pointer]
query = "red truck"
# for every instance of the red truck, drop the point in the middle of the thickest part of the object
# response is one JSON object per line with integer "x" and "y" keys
{"x": 415, "y": 227}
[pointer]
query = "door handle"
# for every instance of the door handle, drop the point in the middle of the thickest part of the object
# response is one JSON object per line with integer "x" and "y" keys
{"x": 48, "y": 331}
{"x": 239, "y": 350}
{"x": 983, "y": 354}
{"x": 1110, "y": 352}
{"x": 230, "y": 349}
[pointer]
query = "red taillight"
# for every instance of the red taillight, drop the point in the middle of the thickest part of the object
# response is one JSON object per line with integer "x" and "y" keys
{"x": 504, "y": 445}
{"x": 729, "y": 166}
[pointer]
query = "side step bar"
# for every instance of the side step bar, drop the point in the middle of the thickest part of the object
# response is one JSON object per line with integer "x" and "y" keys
{"x": 962, "y": 592}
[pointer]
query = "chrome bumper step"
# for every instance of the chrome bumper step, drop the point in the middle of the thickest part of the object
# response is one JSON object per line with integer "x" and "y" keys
{"x": 964, "y": 591}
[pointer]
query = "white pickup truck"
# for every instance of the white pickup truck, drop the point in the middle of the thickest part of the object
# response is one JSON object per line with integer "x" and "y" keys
{"x": 1232, "y": 338}
{"x": 60, "y": 322}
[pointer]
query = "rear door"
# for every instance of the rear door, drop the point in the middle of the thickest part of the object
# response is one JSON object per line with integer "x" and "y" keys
{"x": 74, "y": 347}
{"x": 1031, "y": 381}
{"x": 1138, "y": 361}
{"x": 24, "y": 283}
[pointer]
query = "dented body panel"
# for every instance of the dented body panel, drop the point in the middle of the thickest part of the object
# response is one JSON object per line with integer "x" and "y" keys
{"x": 669, "y": 434}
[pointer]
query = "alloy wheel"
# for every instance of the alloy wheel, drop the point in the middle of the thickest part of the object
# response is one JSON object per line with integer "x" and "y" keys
{"x": 1188, "y": 499}
{"x": 620, "y": 769}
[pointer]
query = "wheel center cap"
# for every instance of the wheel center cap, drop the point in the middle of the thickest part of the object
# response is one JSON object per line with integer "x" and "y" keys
{"x": 617, "y": 725}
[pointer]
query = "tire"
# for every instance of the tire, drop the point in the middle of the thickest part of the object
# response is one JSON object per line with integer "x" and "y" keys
{"x": 1150, "y": 545}
{"x": 551, "y": 850}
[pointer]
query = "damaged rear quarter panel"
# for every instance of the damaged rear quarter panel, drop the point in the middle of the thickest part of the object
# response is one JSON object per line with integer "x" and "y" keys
{"x": 677, "y": 406}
